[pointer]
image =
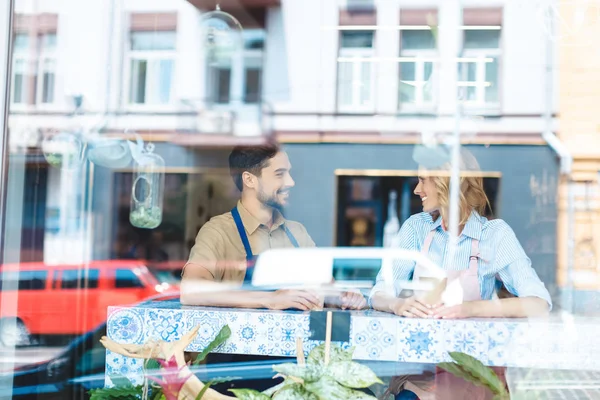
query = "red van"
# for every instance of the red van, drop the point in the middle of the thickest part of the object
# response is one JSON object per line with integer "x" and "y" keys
{"x": 68, "y": 299}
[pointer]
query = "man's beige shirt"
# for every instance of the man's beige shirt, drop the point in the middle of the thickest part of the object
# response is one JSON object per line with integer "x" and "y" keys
{"x": 219, "y": 249}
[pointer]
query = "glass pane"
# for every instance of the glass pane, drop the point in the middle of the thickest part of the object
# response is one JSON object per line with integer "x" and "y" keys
{"x": 164, "y": 81}
{"x": 357, "y": 39}
{"x": 482, "y": 39}
{"x": 76, "y": 279}
{"x": 48, "y": 81}
{"x": 137, "y": 91}
{"x": 407, "y": 88}
{"x": 345, "y": 83}
{"x": 365, "y": 83}
{"x": 222, "y": 85}
{"x": 48, "y": 41}
{"x": 153, "y": 40}
{"x": 491, "y": 76}
{"x": 21, "y": 42}
{"x": 407, "y": 71}
{"x": 252, "y": 89}
{"x": 254, "y": 43}
{"x": 18, "y": 88}
{"x": 407, "y": 92}
{"x": 24, "y": 280}
{"x": 428, "y": 86}
{"x": 126, "y": 278}
{"x": 417, "y": 39}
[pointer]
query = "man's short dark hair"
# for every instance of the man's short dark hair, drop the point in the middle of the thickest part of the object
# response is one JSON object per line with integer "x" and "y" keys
{"x": 250, "y": 159}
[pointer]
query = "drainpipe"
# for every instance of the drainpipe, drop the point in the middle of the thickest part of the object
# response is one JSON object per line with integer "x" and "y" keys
{"x": 566, "y": 166}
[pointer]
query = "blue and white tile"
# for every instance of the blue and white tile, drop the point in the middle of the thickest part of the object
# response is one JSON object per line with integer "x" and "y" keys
{"x": 126, "y": 325}
{"x": 420, "y": 340}
{"x": 131, "y": 368}
{"x": 500, "y": 335}
{"x": 283, "y": 330}
{"x": 374, "y": 338}
{"x": 165, "y": 325}
{"x": 470, "y": 337}
{"x": 249, "y": 334}
{"x": 210, "y": 323}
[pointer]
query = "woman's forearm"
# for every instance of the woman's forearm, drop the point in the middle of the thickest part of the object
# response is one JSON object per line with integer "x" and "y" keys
{"x": 383, "y": 302}
{"x": 517, "y": 307}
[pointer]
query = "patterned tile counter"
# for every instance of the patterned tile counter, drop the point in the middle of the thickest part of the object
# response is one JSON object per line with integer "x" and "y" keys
{"x": 549, "y": 343}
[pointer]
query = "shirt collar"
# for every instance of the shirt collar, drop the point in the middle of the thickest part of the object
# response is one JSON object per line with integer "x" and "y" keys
{"x": 472, "y": 228}
{"x": 251, "y": 223}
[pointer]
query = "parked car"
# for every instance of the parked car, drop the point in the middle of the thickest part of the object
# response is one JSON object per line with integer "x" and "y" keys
{"x": 68, "y": 299}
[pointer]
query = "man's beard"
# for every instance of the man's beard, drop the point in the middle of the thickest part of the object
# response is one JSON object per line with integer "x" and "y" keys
{"x": 269, "y": 201}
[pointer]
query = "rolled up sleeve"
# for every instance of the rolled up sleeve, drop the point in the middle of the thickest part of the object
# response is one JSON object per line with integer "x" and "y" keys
{"x": 206, "y": 253}
{"x": 402, "y": 269}
{"x": 518, "y": 275}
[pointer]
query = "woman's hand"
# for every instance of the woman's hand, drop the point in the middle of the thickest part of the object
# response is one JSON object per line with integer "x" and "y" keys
{"x": 347, "y": 301}
{"x": 411, "y": 307}
{"x": 464, "y": 310}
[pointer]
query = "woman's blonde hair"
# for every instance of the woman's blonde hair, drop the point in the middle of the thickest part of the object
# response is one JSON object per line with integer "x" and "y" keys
{"x": 472, "y": 196}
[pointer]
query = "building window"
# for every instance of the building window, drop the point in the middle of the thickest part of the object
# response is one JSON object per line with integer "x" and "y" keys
{"x": 79, "y": 279}
{"x": 23, "y": 280}
{"x": 34, "y": 72}
{"x": 479, "y": 73}
{"x": 355, "y": 81}
{"x": 21, "y": 57}
{"x": 239, "y": 77}
{"x": 417, "y": 86}
{"x": 151, "y": 63}
{"x": 46, "y": 68}
{"x": 127, "y": 279}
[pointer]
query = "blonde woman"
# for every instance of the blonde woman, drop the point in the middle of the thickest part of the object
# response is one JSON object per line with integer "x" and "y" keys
{"x": 487, "y": 252}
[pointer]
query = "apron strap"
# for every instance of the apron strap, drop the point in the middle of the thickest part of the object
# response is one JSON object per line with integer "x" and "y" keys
{"x": 242, "y": 232}
{"x": 427, "y": 243}
{"x": 474, "y": 258}
{"x": 290, "y": 236}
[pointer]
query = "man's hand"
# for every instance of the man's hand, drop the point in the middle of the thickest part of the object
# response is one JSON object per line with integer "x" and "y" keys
{"x": 412, "y": 307}
{"x": 352, "y": 301}
{"x": 289, "y": 298}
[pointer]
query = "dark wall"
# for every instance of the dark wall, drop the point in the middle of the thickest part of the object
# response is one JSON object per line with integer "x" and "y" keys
{"x": 313, "y": 199}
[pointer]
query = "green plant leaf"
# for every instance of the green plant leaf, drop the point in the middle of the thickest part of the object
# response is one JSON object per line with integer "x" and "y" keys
{"x": 152, "y": 364}
{"x": 307, "y": 372}
{"x": 336, "y": 353}
{"x": 352, "y": 374}
{"x": 294, "y": 391}
{"x": 157, "y": 394}
{"x": 458, "y": 371}
{"x": 221, "y": 338}
{"x": 120, "y": 381}
{"x": 480, "y": 372}
{"x": 271, "y": 391}
{"x": 327, "y": 388}
{"x": 208, "y": 384}
{"x": 121, "y": 393}
{"x": 248, "y": 394}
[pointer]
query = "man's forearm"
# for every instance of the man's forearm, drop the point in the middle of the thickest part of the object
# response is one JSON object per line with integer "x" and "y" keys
{"x": 193, "y": 295}
{"x": 518, "y": 307}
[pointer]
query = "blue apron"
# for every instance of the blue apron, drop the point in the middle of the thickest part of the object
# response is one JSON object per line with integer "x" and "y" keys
{"x": 251, "y": 258}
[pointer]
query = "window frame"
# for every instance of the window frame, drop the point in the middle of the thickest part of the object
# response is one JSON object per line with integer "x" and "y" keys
{"x": 480, "y": 105}
{"x": 356, "y": 52}
{"x": 24, "y": 55}
{"x": 148, "y": 56}
{"x": 45, "y": 54}
{"x": 237, "y": 64}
